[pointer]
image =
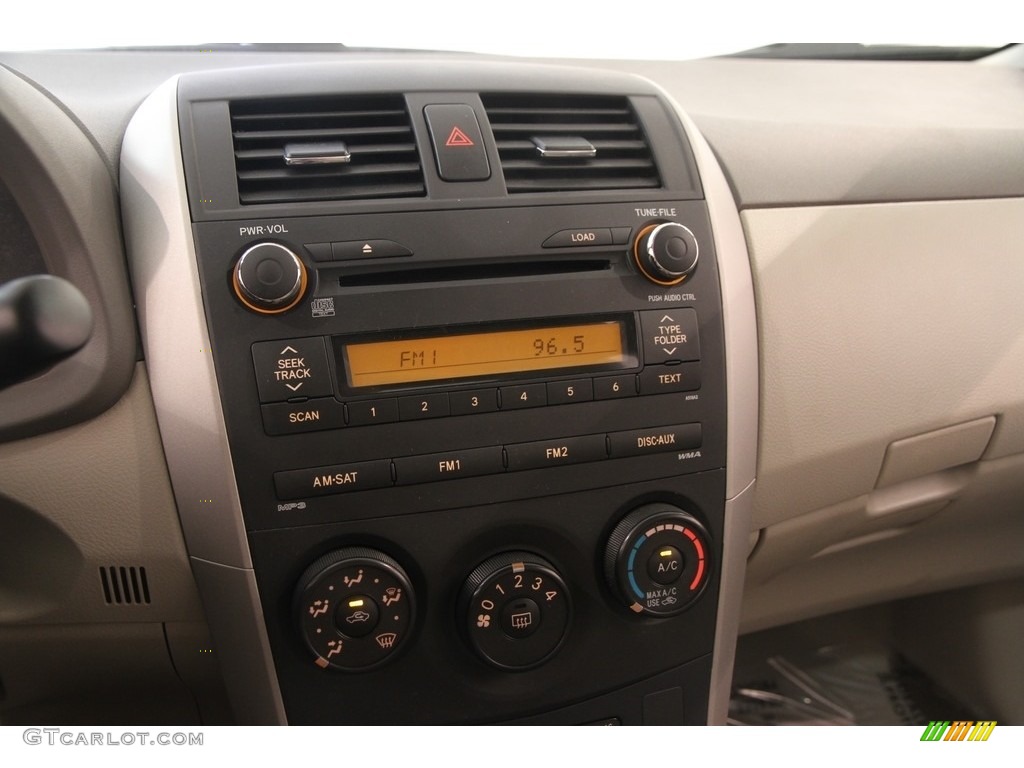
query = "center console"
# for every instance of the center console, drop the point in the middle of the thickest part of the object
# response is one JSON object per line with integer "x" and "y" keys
{"x": 456, "y": 376}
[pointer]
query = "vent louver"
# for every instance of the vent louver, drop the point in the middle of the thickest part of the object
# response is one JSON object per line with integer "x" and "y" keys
{"x": 365, "y": 146}
{"x": 525, "y": 125}
{"x": 125, "y": 585}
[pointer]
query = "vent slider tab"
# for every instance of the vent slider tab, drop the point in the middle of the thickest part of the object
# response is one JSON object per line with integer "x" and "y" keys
{"x": 561, "y": 147}
{"x": 317, "y": 153}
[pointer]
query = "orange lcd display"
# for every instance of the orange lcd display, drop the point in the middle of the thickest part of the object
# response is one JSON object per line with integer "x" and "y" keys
{"x": 411, "y": 361}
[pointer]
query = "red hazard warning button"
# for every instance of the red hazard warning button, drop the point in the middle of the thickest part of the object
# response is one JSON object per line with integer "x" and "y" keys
{"x": 458, "y": 144}
{"x": 458, "y": 138}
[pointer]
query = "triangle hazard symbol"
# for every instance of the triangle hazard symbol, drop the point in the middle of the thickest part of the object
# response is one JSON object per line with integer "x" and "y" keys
{"x": 458, "y": 139}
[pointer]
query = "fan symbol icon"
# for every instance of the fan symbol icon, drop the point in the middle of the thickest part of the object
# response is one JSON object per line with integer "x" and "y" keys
{"x": 483, "y": 620}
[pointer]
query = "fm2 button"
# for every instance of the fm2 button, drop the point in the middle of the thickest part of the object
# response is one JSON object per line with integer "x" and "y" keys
{"x": 291, "y": 368}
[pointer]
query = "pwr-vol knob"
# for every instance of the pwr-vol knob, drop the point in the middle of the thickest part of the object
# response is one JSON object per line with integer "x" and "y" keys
{"x": 355, "y": 609}
{"x": 516, "y": 610}
{"x": 666, "y": 253}
{"x": 658, "y": 560}
{"x": 269, "y": 278}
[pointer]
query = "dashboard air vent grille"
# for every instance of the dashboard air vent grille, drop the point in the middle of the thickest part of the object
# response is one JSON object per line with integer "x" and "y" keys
{"x": 598, "y": 139}
{"x": 125, "y": 585}
{"x": 324, "y": 148}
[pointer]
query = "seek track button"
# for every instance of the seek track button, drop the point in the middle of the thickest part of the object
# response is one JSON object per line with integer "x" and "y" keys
{"x": 291, "y": 368}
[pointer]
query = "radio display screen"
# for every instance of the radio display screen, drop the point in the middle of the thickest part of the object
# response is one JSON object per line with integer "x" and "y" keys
{"x": 416, "y": 360}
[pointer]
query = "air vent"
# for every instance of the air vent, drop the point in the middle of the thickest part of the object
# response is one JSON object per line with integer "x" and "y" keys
{"x": 338, "y": 148}
{"x": 552, "y": 143}
{"x": 125, "y": 585}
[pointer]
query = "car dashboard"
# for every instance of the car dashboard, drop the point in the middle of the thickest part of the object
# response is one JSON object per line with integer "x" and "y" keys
{"x": 451, "y": 389}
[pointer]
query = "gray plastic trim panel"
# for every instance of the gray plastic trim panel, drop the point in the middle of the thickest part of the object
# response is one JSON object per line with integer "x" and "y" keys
{"x": 185, "y": 391}
{"x": 741, "y": 375}
{"x": 62, "y": 188}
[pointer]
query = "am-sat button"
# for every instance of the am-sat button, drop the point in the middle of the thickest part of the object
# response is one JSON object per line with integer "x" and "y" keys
{"x": 338, "y": 478}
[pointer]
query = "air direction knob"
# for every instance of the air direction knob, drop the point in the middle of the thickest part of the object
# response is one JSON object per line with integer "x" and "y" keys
{"x": 355, "y": 609}
{"x": 666, "y": 253}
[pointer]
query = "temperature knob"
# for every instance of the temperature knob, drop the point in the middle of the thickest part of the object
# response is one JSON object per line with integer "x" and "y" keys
{"x": 666, "y": 253}
{"x": 355, "y": 609}
{"x": 516, "y": 610}
{"x": 269, "y": 278}
{"x": 658, "y": 560}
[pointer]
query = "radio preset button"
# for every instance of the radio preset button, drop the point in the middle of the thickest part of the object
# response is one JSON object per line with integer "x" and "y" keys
{"x": 525, "y": 396}
{"x": 670, "y": 335}
{"x": 561, "y": 392}
{"x": 552, "y": 453}
{"x": 291, "y": 368}
{"x": 338, "y": 478}
{"x": 364, "y": 412}
{"x": 309, "y": 416}
{"x": 423, "y": 407}
{"x": 639, "y": 442}
{"x": 569, "y": 238}
{"x": 449, "y": 466}
{"x": 609, "y": 387}
{"x": 473, "y": 401}
{"x": 661, "y": 379}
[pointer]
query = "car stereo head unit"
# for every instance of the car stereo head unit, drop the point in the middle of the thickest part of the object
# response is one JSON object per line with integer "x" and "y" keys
{"x": 474, "y": 391}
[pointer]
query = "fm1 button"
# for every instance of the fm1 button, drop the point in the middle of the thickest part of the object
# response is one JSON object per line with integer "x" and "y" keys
{"x": 357, "y": 616}
{"x": 666, "y": 565}
{"x": 520, "y": 618}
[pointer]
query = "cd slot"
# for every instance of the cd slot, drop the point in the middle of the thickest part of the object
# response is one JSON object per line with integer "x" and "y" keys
{"x": 469, "y": 272}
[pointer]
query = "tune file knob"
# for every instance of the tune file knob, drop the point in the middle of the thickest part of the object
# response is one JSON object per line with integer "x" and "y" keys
{"x": 666, "y": 253}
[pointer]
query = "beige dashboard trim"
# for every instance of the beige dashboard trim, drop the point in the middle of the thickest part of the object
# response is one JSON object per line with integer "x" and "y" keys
{"x": 741, "y": 359}
{"x": 172, "y": 322}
